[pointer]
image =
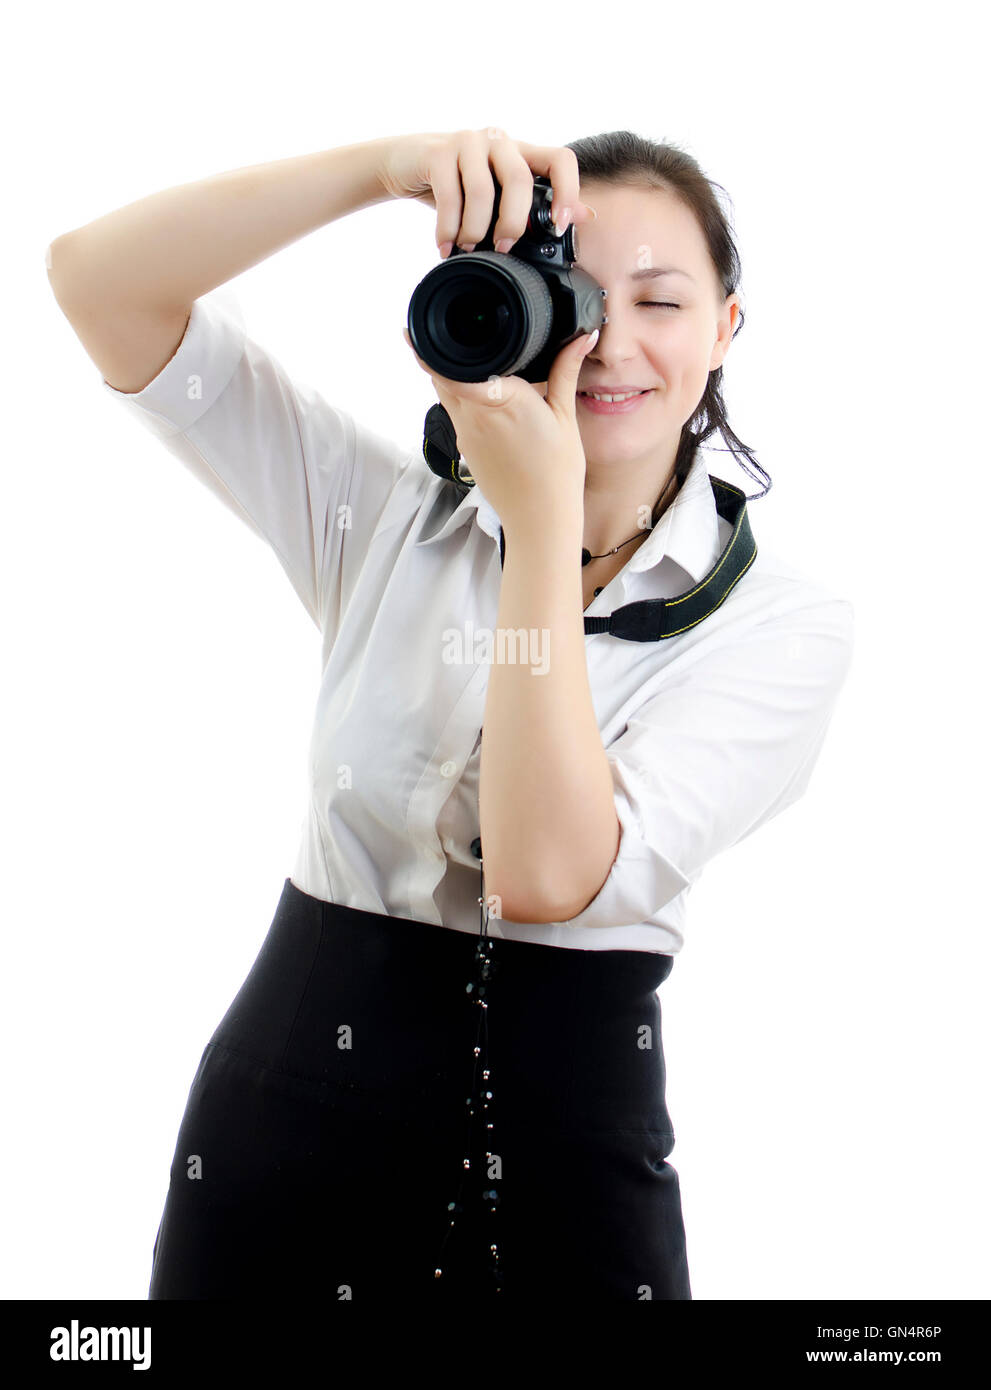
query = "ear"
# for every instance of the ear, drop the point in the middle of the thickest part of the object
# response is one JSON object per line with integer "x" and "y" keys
{"x": 728, "y": 318}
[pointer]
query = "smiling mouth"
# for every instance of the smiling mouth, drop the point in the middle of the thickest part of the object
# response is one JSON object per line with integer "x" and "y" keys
{"x": 613, "y": 396}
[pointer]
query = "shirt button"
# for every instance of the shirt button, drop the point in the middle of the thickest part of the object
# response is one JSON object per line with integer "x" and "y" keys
{"x": 448, "y": 769}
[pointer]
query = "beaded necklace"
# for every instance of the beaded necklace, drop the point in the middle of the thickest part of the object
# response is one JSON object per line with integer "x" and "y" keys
{"x": 481, "y": 1089}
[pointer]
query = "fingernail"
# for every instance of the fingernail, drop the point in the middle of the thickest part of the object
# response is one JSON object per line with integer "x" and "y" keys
{"x": 592, "y": 341}
{"x": 561, "y": 222}
{"x": 445, "y": 248}
{"x": 504, "y": 245}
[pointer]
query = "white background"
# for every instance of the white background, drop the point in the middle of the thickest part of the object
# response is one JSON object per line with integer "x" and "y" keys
{"x": 825, "y": 1024}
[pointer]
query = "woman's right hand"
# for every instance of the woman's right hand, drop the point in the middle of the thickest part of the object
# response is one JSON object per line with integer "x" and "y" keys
{"x": 454, "y": 173}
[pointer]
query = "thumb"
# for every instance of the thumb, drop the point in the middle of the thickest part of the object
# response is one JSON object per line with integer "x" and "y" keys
{"x": 563, "y": 376}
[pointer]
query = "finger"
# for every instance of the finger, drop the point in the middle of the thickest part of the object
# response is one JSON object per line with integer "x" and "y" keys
{"x": 562, "y": 382}
{"x": 445, "y": 180}
{"x": 479, "y": 190}
{"x": 516, "y": 181}
{"x": 560, "y": 165}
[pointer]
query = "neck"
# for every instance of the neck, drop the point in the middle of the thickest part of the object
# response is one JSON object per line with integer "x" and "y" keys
{"x": 616, "y": 509}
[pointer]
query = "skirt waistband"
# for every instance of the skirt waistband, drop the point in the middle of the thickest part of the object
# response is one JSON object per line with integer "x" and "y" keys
{"x": 388, "y": 1006}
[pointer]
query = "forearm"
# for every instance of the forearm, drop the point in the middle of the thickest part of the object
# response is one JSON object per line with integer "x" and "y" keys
{"x": 548, "y": 821}
{"x": 167, "y": 250}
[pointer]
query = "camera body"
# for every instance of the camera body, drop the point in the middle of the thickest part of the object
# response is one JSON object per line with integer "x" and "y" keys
{"x": 481, "y": 314}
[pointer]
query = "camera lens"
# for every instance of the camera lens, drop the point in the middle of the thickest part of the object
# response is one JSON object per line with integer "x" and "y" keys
{"x": 480, "y": 315}
{"x": 477, "y": 317}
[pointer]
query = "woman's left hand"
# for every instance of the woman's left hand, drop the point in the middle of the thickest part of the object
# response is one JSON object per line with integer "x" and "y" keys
{"x": 523, "y": 449}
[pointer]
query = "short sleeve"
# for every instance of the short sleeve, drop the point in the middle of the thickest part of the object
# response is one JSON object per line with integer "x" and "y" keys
{"x": 720, "y": 750}
{"x": 296, "y": 470}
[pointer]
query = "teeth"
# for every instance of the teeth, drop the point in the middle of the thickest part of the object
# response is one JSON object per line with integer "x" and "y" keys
{"x": 627, "y": 397}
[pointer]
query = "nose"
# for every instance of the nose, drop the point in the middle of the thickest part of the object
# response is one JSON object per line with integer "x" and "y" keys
{"x": 615, "y": 342}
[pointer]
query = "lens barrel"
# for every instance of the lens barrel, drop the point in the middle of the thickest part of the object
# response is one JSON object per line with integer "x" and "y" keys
{"x": 479, "y": 315}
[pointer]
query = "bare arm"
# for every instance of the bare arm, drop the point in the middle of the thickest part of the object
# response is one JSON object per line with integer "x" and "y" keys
{"x": 127, "y": 281}
{"x": 550, "y": 831}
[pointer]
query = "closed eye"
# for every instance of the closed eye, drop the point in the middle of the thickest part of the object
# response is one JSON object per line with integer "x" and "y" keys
{"x": 655, "y": 304}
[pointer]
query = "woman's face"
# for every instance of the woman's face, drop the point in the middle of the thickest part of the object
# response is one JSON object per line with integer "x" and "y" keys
{"x": 665, "y": 333}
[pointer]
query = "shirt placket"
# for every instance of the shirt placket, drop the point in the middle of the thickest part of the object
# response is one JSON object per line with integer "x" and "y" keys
{"x": 454, "y": 747}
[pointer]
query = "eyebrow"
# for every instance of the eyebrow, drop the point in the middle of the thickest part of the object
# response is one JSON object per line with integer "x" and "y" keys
{"x": 652, "y": 274}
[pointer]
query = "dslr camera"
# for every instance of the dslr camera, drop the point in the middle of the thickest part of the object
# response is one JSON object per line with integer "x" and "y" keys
{"x": 481, "y": 314}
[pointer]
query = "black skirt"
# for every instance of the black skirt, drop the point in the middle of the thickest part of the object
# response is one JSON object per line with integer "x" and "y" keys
{"x": 378, "y": 1115}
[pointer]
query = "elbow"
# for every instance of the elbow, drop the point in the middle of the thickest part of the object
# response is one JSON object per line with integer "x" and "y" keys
{"x": 70, "y": 274}
{"x": 55, "y": 265}
{"x": 522, "y": 911}
{"x": 565, "y": 911}
{"x": 525, "y": 908}
{"x": 568, "y": 895}
{"x": 566, "y": 908}
{"x": 558, "y": 909}
{"x": 542, "y": 914}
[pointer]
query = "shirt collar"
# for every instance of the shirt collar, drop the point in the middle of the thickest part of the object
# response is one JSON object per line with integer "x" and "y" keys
{"x": 687, "y": 533}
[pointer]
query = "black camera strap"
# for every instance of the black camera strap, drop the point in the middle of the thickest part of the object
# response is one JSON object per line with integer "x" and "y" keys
{"x": 648, "y": 620}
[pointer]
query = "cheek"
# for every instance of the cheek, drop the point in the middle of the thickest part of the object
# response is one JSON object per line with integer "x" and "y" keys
{"x": 674, "y": 351}
{"x": 688, "y": 355}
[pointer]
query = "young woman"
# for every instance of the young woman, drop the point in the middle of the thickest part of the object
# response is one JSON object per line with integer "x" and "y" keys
{"x": 443, "y": 1077}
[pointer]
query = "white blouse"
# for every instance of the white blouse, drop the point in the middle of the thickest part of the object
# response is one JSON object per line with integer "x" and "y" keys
{"x": 708, "y": 734}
